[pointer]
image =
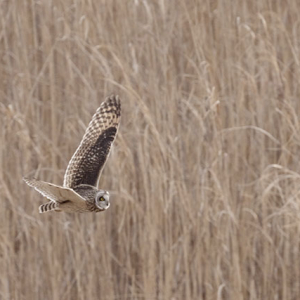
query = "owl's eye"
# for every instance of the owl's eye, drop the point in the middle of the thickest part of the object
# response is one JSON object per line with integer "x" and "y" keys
{"x": 102, "y": 199}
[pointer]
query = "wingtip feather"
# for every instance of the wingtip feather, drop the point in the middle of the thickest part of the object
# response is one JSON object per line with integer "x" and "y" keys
{"x": 114, "y": 99}
{"x": 28, "y": 180}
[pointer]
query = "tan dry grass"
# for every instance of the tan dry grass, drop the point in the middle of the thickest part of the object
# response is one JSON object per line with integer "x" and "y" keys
{"x": 205, "y": 169}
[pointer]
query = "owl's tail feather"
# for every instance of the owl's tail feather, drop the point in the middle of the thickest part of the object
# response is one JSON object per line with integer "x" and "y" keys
{"x": 49, "y": 206}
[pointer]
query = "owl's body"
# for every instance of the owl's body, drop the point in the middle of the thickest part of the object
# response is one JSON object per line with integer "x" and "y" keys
{"x": 79, "y": 192}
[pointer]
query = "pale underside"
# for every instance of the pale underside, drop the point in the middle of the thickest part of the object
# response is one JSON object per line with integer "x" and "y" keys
{"x": 65, "y": 197}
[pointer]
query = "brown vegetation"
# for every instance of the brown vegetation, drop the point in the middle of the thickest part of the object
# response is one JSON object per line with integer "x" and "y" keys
{"x": 204, "y": 174}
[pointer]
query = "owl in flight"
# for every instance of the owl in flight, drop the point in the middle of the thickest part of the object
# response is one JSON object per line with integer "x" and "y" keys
{"x": 80, "y": 192}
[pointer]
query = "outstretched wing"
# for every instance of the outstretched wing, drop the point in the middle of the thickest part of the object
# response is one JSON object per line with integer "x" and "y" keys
{"x": 54, "y": 192}
{"x": 87, "y": 163}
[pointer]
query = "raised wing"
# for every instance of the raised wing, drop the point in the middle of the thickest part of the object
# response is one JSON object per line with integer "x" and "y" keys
{"x": 54, "y": 192}
{"x": 87, "y": 163}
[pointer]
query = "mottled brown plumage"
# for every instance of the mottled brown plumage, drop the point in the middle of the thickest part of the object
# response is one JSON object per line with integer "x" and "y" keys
{"x": 86, "y": 165}
{"x": 79, "y": 192}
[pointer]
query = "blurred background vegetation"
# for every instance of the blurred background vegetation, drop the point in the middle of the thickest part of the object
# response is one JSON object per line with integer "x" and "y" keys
{"x": 204, "y": 174}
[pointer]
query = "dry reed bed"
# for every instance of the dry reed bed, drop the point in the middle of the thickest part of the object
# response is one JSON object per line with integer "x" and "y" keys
{"x": 205, "y": 170}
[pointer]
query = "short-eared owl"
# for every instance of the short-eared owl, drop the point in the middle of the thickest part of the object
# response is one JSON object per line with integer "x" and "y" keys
{"x": 79, "y": 192}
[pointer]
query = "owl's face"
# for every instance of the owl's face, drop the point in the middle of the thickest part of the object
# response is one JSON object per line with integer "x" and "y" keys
{"x": 102, "y": 200}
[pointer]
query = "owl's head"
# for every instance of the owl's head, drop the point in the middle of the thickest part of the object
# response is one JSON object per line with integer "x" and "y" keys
{"x": 102, "y": 200}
